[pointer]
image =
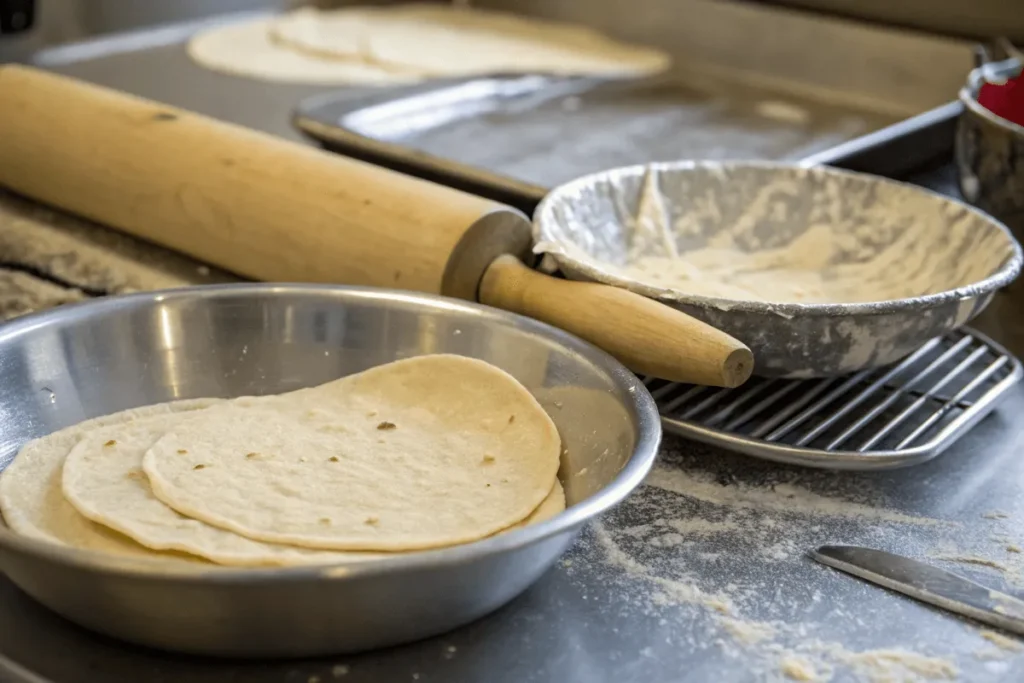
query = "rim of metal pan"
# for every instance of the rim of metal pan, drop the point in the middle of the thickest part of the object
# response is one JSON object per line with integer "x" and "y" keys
{"x": 588, "y": 267}
{"x": 628, "y": 478}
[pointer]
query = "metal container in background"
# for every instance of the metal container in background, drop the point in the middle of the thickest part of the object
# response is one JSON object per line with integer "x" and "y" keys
{"x": 73, "y": 363}
{"x": 990, "y": 152}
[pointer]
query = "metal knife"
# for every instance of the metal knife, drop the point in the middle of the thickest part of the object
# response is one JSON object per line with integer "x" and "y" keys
{"x": 927, "y": 583}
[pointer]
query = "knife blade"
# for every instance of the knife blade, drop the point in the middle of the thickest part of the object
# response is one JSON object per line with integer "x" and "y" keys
{"x": 926, "y": 583}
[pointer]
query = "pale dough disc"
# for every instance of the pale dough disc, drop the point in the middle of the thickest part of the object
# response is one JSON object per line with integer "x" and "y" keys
{"x": 30, "y": 488}
{"x": 548, "y": 508}
{"x": 245, "y": 49}
{"x": 103, "y": 479}
{"x": 441, "y": 40}
{"x": 421, "y": 453}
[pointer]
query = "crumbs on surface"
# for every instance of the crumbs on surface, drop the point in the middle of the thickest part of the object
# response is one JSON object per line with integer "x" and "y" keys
{"x": 1001, "y": 641}
{"x": 386, "y": 426}
{"x": 372, "y": 521}
{"x": 182, "y": 451}
{"x": 110, "y": 443}
{"x": 199, "y": 467}
{"x": 248, "y": 456}
{"x": 333, "y": 458}
{"x": 797, "y": 669}
{"x": 488, "y": 459}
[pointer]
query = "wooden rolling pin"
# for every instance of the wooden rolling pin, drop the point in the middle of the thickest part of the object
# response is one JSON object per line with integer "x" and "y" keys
{"x": 274, "y": 210}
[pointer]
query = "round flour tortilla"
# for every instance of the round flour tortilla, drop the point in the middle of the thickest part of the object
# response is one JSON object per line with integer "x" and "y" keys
{"x": 420, "y": 453}
{"x": 442, "y": 40}
{"x": 548, "y": 508}
{"x": 245, "y": 49}
{"x": 104, "y": 481}
{"x": 30, "y": 488}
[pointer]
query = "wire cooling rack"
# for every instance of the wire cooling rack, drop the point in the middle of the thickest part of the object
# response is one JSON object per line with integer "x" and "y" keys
{"x": 901, "y": 415}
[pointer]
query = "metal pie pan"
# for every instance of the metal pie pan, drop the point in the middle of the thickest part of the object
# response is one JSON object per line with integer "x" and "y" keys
{"x": 586, "y": 227}
{"x": 70, "y": 364}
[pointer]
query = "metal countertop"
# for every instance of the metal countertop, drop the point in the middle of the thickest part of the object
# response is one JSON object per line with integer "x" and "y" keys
{"x": 700, "y": 576}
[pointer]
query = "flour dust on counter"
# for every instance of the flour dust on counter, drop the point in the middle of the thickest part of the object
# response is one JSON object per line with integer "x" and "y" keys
{"x": 48, "y": 258}
{"x": 721, "y": 564}
{"x": 996, "y": 555}
{"x": 22, "y": 293}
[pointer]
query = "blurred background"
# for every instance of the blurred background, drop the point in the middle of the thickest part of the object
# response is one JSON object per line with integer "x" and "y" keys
{"x": 58, "y": 21}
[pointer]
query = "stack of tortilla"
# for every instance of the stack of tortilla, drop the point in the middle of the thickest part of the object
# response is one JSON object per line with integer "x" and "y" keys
{"x": 417, "y": 454}
{"x": 409, "y": 43}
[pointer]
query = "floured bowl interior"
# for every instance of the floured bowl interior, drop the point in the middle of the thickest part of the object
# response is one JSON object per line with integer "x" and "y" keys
{"x": 820, "y": 271}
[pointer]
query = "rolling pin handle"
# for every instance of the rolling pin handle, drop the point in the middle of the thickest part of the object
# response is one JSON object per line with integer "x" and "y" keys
{"x": 648, "y": 337}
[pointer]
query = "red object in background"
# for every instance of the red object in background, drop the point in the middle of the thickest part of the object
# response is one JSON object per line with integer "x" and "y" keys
{"x": 1006, "y": 101}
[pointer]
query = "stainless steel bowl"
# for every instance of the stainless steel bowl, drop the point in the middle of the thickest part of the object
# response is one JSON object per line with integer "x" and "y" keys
{"x": 586, "y": 226}
{"x": 70, "y": 364}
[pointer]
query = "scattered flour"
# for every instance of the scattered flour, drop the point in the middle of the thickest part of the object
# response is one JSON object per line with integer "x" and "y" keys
{"x": 723, "y": 560}
{"x": 695, "y": 527}
{"x": 670, "y": 592}
{"x": 669, "y": 540}
{"x": 87, "y": 256}
{"x": 797, "y": 669}
{"x": 1001, "y": 554}
{"x": 782, "y": 497}
{"x": 1002, "y": 642}
{"x": 760, "y": 642}
{"x": 882, "y": 666}
{"x": 748, "y": 631}
{"x": 974, "y": 560}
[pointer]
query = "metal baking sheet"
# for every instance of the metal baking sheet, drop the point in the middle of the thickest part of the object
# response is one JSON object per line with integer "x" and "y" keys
{"x": 513, "y": 138}
{"x": 748, "y": 81}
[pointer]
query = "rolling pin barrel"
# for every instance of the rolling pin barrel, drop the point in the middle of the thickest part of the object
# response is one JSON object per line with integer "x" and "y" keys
{"x": 273, "y": 210}
{"x": 256, "y": 205}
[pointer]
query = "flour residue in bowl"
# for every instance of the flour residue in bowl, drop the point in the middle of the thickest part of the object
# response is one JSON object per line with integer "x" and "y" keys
{"x": 797, "y": 237}
{"x": 797, "y": 272}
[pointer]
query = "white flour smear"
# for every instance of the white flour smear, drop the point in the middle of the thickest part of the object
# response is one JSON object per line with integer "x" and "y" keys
{"x": 721, "y": 565}
{"x": 781, "y": 497}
